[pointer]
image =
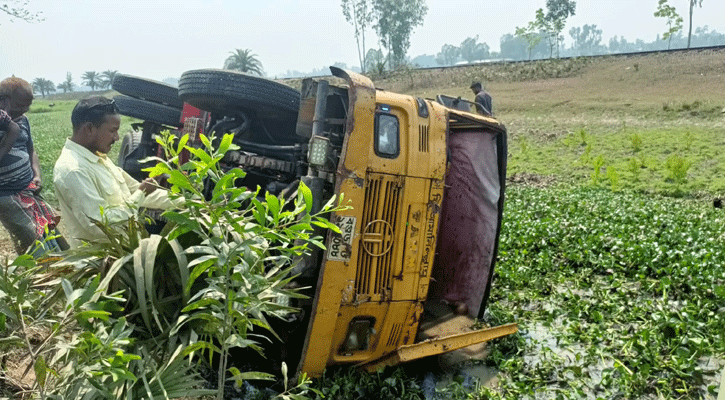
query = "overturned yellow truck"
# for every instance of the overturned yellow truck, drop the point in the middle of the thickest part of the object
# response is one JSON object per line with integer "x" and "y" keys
{"x": 426, "y": 182}
{"x": 425, "y": 179}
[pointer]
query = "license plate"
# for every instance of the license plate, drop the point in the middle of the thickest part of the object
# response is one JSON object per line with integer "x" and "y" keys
{"x": 341, "y": 245}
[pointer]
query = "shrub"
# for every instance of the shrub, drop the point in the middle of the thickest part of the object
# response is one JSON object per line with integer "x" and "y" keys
{"x": 597, "y": 164}
{"x": 636, "y": 142}
{"x": 677, "y": 168}
{"x": 124, "y": 315}
{"x": 634, "y": 165}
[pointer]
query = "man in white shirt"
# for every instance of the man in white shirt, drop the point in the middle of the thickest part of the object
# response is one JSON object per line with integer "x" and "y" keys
{"x": 86, "y": 181}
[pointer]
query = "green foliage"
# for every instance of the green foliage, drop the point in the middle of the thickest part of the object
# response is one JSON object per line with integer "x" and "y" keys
{"x": 623, "y": 301}
{"x": 91, "y": 79}
{"x": 636, "y": 142}
{"x": 43, "y": 86}
{"x": 84, "y": 351}
{"x": 394, "y": 22}
{"x": 689, "y": 140}
{"x": 448, "y": 55}
{"x": 634, "y": 166}
{"x": 129, "y": 312}
{"x": 677, "y": 167}
{"x": 241, "y": 254}
{"x": 18, "y": 9}
{"x": 549, "y": 23}
{"x": 392, "y": 384}
{"x": 597, "y": 165}
{"x": 674, "y": 20}
{"x": 531, "y": 35}
{"x": 524, "y": 146}
{"x": 613, "y": 178}
{"x": 471, "y": 50}
{"x": 584, "y": 135}
{"x": 244, "y": 60}
{"x": 360, "y": 14}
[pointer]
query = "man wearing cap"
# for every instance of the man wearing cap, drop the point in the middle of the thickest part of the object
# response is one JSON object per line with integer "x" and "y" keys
{"x": 91, "y": 187}
{"x": 482, "y": 97}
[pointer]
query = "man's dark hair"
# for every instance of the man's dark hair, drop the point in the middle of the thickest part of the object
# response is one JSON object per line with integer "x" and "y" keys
{"x": 475, "y": 85}
{"x": 93, "y": 109}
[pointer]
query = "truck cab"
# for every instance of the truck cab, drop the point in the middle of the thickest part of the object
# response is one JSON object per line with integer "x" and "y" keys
{"x": 426, "y": 185}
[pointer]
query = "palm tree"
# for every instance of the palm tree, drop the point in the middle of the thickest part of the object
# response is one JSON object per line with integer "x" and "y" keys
{"x": 107, "y": 78}
{"x": 91, "y": 78}
{"x": 244, "y": 61}
{"x": 43, "y": 86}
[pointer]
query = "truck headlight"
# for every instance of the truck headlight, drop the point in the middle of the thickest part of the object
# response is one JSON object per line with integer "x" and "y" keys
{"x": 318, "y": 151}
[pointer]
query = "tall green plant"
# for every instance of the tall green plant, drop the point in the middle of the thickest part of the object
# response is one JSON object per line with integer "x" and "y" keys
{"x": 677, "y": 167}
{"x": 77, "y": 347}
{"x": 241, "y": 246}
{"x": 216, "y": 273}
{"x": 636, "y": 142}
{"x": 597, "y": 165}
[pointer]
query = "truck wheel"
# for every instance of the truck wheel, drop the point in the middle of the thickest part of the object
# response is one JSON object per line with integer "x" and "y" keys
{"x": 148, "y": 111}
{"x": 146, "y": 89}
{"x": 220, "y": 91}
{"x": 129, "y": 143}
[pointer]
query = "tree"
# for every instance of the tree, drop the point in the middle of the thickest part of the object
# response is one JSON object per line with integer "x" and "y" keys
{"x": 471, "y": 50}
{"x": 513, "y": 47}
{"x": 553, "y": 21}
{"x": 44, "y": 86}
{"x": 586, "y": 39}
{"x": 360, "y": 14}
{"x": 674, "y": 21}
{"x": 395, "y": 22}
{"x": 107, "y": 78}
{"x": 17, "y": 9}
{"x": 244, "y": 61}
{"x": 92, "y": 79}
{"x": 67, "y": 85}
{"x": 448, "y": 55}
{"x": 375, "y": 61}
{"x": 530, "y": 34}
{"x": 693, "y": 3}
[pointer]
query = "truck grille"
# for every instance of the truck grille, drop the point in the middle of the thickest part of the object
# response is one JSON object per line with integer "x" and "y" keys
{"x": 380, "y": 214}
{"x": 423, "y": 145}
{"x": 394, "y": 335}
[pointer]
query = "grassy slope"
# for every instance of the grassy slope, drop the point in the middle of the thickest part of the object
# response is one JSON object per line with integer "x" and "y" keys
{"x": 554, "y": 110}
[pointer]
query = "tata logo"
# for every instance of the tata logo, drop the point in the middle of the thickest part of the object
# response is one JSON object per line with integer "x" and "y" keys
{"x": 377, "y": 238}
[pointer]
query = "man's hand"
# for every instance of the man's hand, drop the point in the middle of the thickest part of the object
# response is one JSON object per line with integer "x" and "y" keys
{"x": 148, "y": 185}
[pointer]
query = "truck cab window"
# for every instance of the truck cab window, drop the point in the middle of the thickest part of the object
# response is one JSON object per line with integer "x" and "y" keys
{"x": 387, "y": 135}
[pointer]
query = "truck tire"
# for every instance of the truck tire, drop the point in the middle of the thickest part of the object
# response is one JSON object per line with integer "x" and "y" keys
{"x": 129, "y": 143}
{"x": 221, "y": 91}
{"x": 146, "y": 89}
{"x": 148, "y": 111}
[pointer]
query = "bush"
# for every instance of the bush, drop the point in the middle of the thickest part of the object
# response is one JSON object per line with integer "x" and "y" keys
{"x": 122, "y": 317}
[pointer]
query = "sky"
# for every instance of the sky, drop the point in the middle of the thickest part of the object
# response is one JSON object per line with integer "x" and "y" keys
{"x": 159, "y": 39}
